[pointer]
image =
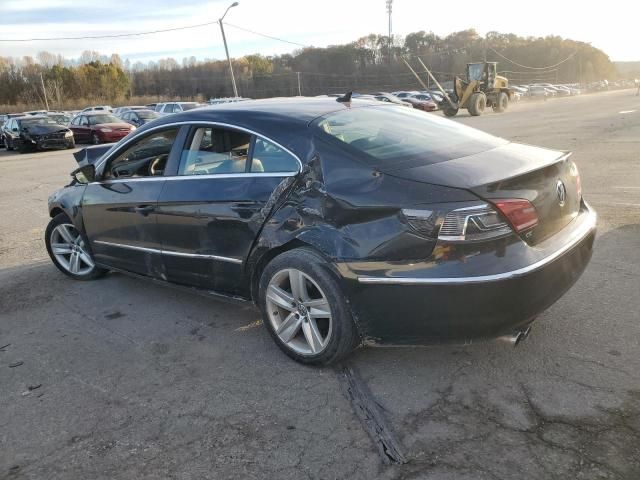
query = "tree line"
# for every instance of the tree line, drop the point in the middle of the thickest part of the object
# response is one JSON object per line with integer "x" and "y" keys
{"x": 370, "y": 63}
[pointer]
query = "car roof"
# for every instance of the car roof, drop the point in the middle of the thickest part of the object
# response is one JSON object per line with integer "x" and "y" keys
{"x": 284, "y": 120}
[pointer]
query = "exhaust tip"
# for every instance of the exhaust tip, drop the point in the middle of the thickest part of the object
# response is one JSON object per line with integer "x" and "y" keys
{"x": 517, "y": 337}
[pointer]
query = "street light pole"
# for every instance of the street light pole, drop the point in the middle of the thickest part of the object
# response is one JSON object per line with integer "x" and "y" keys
{"x": 389, "y": 8}
{"x": 226, "y": 49}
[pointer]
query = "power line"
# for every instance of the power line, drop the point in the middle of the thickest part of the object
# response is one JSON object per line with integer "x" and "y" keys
{"x": 117, "y": 35}
{"x": 267, "y": 36}
{"x": 534, "y": 68}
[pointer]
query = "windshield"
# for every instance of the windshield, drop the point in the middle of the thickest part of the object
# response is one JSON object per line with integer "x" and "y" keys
{"x": 147, "y": 114}
{"x": 99, "y": 119}
{"x": 393, "y": 137}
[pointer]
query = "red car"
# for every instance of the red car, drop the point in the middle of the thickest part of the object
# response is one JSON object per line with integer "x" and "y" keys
{"x": 426, "y": 105}
{"x": 99, "y": 128}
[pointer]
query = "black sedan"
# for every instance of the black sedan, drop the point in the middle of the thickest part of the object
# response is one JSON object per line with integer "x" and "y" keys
{"x": 347, "y": 223}
{"x": 139, "y": 117}
{"x": 38, "y": 132}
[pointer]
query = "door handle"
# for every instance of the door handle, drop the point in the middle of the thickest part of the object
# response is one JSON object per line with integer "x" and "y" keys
{"x": 144, "y": 209}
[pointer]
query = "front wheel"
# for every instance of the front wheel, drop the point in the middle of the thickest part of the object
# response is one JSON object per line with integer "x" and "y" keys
{"x": 68, "y": 251}
{"x": 71, "y": 144}
{"x": 95, "y": 139}
{"x": 305, "y": 310}
{"x": 477, "y": 103}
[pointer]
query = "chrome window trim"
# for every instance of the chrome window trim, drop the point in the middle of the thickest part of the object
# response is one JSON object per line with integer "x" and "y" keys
{"x": 117, "y": 146}
{"x": 169, "y": 252}
{"x": 195, "y": 177}
{"x": 585, "y": 229}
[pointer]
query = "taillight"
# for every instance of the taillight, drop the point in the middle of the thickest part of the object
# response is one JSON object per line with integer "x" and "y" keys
{"x": 521, "y": 213}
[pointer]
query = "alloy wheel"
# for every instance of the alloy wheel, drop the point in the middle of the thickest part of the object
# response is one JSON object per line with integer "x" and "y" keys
{"x": 68, "y": 248}
{"x": 299, "y": 312}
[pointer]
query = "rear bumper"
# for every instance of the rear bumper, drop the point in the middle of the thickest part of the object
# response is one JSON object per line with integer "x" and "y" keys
{"x": 454, "y": 301}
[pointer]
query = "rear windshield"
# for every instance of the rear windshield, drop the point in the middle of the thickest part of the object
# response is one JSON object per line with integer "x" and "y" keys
{"x": 394, "y": 137}
{"x": 146, "y": 114}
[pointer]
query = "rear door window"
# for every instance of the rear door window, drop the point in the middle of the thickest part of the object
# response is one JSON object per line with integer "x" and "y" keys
{"x": 214, "y": 150}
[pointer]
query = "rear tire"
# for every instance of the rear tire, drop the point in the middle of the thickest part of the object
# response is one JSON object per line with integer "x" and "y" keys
{"x": 68, "y": 251}
{"x": 8, "y": 145}
{"x": 304, "y": 309}
{"x": 477, "y": 104}
{"x": 502, "y": 103}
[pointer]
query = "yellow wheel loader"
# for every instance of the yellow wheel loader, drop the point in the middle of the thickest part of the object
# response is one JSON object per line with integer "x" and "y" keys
{"x": 482, "y": 88}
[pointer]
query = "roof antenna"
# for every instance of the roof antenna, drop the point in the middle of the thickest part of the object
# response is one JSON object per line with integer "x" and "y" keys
{"x": 346, "y": 98}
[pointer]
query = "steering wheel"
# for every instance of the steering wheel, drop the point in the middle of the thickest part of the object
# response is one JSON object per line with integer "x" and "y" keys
{"x": 154, "y": 166}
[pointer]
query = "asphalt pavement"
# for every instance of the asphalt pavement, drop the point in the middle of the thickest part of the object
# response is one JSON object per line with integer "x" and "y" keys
{"x": 122, "y": 378}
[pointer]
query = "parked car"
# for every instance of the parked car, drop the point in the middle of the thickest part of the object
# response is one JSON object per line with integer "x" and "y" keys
{"x": 536, "y": 91}
{"x": 425, "y": 105}
{"x": 4, "y": 119}
{"x": 98, "y": 108}
{"x": 35, "y": 132}
{"x": 404, "y": 94}
{"x": 139, "y": 117}
{"x": 390, "y": 98}
{"x": 60, "y": 118}
{"x": 175, "y": 107}
{"x": 99, "y": 128}
{"x": 36, "y": 112}
{"x": 120, "y": 110}
{"x": 151, "y": 106}
{"x": 375, "y": 224}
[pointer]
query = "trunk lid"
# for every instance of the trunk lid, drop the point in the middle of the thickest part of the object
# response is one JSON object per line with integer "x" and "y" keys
{"x": 547, "y": 178}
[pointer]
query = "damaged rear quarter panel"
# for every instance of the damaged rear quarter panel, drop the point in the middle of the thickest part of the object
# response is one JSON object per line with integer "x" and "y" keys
{"x": 346, "y": 211}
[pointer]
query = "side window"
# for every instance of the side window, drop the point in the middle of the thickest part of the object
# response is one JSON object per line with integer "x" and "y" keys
{"x": 84, "y": 121}
{"x": 177, "y": 108}
{"x": 268, "y": 157}
{"x": 75, "y": 121}
{"x": 168, "y": 108}
{"x": 147, "y": 156}
{"x": 126, "y": 116}
{"x": 214, "y": 150}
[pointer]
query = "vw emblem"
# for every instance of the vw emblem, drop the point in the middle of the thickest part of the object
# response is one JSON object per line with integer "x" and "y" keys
{"x": 561, "y": 191}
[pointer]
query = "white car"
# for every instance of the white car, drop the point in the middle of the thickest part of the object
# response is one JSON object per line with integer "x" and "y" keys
{"x": 175, "y": 107}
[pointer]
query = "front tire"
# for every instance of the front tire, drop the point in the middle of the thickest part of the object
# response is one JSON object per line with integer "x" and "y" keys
{"x": 95, "y": 139}
{"x": 71, "y": 144}
{"x": 68, "y": 250}
{"x": 477, "y": 104}
{"x": 304, "y": 308}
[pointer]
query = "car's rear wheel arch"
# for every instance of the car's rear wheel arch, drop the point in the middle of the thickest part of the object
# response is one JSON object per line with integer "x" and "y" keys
{"x": 255, "y": 272}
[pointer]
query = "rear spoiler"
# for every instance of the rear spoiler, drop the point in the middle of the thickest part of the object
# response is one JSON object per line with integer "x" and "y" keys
{"x": 91, "y": 155}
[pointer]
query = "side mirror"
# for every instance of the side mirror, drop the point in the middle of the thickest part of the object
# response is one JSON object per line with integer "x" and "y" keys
{"x": 85, "y": 174}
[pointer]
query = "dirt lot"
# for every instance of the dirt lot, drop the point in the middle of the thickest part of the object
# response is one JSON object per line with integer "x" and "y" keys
{"x": 143, "y": 381}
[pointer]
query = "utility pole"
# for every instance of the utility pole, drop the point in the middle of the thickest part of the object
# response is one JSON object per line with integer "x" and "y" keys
{"x": 226, "y": 49}
{"x": 44, "y": 91}
{"x": 299, "y": 85}
{"x": 389, "y": 9}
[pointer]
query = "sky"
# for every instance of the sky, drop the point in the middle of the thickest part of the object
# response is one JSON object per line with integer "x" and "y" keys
{"x": 610, "y": 27}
